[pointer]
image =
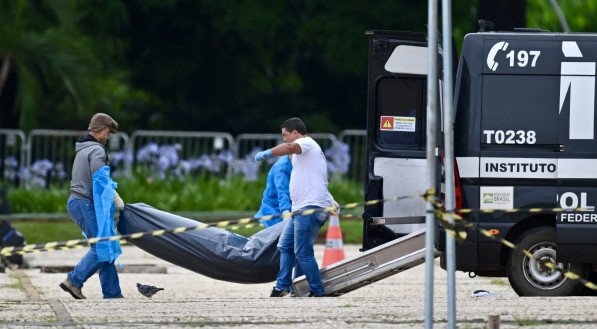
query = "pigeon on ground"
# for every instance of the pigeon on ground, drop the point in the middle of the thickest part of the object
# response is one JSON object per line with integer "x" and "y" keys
{"x": 147, "y": 290}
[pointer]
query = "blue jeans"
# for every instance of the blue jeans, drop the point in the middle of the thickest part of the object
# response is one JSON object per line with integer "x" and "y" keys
{"x": 82, "y": 213}
{"x": 296, "y": 244}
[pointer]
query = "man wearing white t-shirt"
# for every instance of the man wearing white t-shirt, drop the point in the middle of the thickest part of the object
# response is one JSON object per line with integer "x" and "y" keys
{"x": 308, "y": 190}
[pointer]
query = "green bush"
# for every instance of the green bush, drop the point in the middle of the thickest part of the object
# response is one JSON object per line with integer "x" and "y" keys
{"x": 23, "y": 200}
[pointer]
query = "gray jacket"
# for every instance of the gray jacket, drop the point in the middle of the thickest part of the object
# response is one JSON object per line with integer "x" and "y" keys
{"x": 90, "y": 157}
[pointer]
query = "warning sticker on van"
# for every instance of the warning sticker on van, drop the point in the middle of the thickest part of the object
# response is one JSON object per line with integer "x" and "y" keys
{"x": 497, "y": 197}
{"x": 405, "y": 124}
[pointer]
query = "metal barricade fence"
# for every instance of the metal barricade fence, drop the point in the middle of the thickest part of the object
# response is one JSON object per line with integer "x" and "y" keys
{"x": 247, "y": 144}
{"x": 324, "y": 140}
{"x": 357, "y": 142}
{"x": 178, "y": 153}
{"x": 12, "y": 155}
{"x": 46, "y": 156}
{"x": 50, "y": 154}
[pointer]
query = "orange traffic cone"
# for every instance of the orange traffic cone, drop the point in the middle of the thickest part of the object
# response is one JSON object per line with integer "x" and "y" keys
{"x": 334, "y": 249}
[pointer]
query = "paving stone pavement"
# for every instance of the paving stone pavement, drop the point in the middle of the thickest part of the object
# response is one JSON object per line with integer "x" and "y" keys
{"x": 31, "y": 299}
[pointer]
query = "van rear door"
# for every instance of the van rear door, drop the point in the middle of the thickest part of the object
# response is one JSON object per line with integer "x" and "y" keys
{"x": 396, "y": 139}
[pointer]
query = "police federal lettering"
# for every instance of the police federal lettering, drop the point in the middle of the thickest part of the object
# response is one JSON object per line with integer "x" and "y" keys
{"x": 578, "y": 218}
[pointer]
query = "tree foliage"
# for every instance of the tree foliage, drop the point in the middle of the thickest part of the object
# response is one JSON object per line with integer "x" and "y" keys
{"x": 236, "y": 66}
{"x": 579, "y": 14}
{"x": 56, "y": 69}
{"x": 244, "y": 66}
{"x": 45, "y": 60}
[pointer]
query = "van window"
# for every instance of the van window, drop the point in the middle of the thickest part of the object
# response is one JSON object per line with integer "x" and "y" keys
{"x": 403, "y": 100}
{"x": 520, "y": 111}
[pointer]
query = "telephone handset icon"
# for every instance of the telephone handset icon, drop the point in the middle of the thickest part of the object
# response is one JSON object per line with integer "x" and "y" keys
{"x": 491, "y": 63}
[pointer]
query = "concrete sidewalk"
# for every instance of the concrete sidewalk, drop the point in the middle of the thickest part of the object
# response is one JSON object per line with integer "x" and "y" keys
{"x": 30, "y": 299}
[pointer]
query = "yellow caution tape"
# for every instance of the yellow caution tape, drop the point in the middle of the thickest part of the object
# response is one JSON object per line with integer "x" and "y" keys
{"x": 456, "y": 230}
{"x": 247, "y": 222}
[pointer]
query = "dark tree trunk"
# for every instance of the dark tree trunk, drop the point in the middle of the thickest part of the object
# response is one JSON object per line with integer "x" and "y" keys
{"x": 506, "y": 14}
{"x": 4, "y": 70}
{"x": 8, "y": 84}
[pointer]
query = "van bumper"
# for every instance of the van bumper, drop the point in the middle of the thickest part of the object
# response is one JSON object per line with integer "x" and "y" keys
{"x": 472, "y": 256}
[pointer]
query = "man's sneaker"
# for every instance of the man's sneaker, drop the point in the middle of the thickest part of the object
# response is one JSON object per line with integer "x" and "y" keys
{"x": 278, "y": 293}
{"x": 71, "y": 289}
{"x": 314, "y": 295}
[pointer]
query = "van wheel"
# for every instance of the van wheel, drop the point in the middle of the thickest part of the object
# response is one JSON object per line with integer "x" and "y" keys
{"x": 528, "y": 277}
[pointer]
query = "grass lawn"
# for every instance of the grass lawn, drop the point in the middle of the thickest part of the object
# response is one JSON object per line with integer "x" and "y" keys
{"x": 41, "y": 232}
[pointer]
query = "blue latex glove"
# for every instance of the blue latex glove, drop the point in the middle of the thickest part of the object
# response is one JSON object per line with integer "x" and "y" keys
{"x": 262, "y": 155}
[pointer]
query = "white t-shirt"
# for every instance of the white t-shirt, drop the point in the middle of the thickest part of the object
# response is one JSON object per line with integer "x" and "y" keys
{"x": 309, "y": 177}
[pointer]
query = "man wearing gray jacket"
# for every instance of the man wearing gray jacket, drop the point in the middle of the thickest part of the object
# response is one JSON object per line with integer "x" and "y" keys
{"x": 91, "y": 156}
